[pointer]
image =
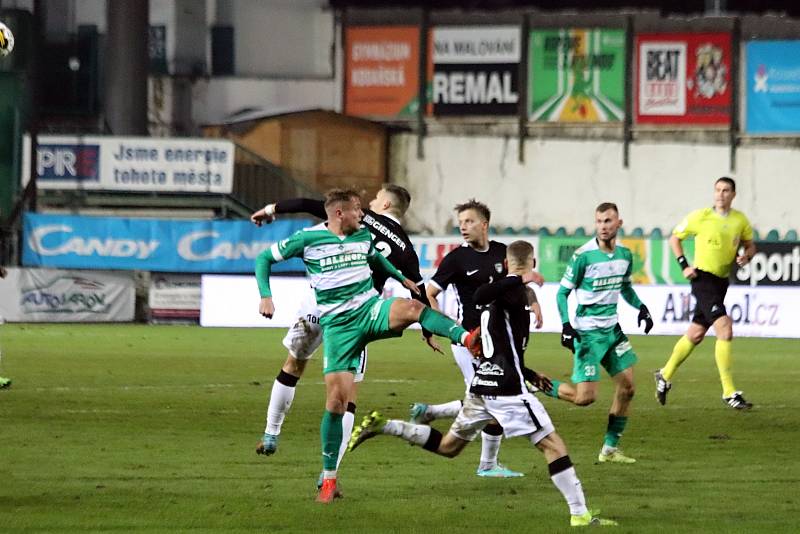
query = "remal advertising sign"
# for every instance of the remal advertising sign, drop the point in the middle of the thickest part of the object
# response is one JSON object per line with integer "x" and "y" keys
{"x": 475, "y": 70}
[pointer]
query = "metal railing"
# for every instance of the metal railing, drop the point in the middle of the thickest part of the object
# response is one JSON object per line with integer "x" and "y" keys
{"x": 257, "y": 181}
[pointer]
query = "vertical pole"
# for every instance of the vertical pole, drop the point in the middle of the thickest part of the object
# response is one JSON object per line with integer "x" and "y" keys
{"x": 127, "y": 67}
{"x": 422, "y": 94}
{"x": 736, "y": 56}
{"x": 345, "y": 73}
{"x": 522, "y": 108}
{"x": 627, "y": 123}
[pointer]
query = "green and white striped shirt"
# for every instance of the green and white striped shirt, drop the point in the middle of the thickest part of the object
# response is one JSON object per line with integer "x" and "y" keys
{"x": 598, "y": 278}
{"x": 338, "y": 267}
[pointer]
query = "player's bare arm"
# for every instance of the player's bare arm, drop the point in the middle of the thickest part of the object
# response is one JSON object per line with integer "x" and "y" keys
{"x": 411, "y": 286}
{"x": 433, "y": 292}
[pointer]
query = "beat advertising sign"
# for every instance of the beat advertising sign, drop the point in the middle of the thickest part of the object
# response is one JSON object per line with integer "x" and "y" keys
{"x": 382, "y": 71}
{"x": 683, "y": 78}
{"x": 474, "y": 70}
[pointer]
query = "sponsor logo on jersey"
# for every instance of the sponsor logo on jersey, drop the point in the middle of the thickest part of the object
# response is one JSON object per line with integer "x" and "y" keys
{"x": 490, "y": 369}
{"x": 609, "y": 282}
{"x": 342, "y": 261}
{"x": 470, "y": 273}
{"x": 479, "y": 382}
{"x": 383, "y": 230}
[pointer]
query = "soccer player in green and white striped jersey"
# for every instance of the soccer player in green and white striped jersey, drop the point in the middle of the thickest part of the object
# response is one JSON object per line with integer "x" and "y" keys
{"x": 599, "y": 272}
{"x": 339, "y": 260}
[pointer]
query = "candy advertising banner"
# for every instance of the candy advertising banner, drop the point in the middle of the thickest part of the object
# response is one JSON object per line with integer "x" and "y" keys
{"x": 683, "y": 78}
{"x": 474, "y": 70}
{"x": 382, "y": 71}
{"x": 576, "y": 75}
{"x": 182, "y": 246}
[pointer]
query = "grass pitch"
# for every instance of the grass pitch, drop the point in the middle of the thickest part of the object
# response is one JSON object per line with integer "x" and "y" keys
{"x": 124, "y": 428}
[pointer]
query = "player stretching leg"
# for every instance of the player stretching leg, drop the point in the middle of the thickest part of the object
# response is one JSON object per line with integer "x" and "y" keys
{"x": 383, "y": 220}
{"x": 478, "y": 261}
{"x": 498, "y": 392}
{"x": 339, "y": 259}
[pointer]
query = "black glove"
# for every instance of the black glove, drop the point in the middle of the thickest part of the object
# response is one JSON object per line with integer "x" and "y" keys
{"x": 568, "y": 336}
{"x": 644, "y": 315}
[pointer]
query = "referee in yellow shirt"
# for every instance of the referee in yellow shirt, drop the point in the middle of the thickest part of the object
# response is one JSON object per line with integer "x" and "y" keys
{"x": 719, "y": 232}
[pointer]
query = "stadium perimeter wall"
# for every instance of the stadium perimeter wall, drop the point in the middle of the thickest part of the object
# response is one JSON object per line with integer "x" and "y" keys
{"x": 561, "y": 181}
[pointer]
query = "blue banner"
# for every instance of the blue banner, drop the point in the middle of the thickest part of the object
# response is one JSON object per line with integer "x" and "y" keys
{"x": 773, "y": 87}
{"x": 198, "y": 246}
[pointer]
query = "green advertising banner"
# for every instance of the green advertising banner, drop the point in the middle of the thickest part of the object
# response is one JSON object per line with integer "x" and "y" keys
{"x": 554, "y": 254}
{"x": 653, "y": 262}
{"x": 576, "y": 75}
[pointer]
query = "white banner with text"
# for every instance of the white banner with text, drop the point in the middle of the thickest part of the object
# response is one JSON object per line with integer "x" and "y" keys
{"x": 756, "y": 312}
{"x": 139, "y": 164}
{"x": 58, "y": 296}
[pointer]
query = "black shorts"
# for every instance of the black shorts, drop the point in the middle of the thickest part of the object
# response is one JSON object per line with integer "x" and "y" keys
{"x": 709, "y": 291}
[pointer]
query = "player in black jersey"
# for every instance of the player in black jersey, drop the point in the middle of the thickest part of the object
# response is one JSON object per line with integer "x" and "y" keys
{"x": 478, "y": 261}
{"x": 498, "y": 393}
{"x": 304, "y": 337}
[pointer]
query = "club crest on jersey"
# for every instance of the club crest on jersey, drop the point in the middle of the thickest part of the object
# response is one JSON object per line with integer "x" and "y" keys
{"x": 498, "y": 267}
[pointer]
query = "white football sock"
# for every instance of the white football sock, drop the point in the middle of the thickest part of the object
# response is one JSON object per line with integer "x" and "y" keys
{"x": 416, "y": 434}
{"x": 347, "y": 429}
{"x": 280, "y": 400}
{"x": 490, "y": 447}
{"x": 448, "y": 409}
{"x": 571, "y": 488}
{"x": 607, "y": 450}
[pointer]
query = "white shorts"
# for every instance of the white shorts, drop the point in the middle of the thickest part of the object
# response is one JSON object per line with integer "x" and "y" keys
{"x": 519, "y": 415}
{"x": 305, "y": 336}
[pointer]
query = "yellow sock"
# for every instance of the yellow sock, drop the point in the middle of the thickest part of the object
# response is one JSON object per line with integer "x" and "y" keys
{"x": 722, "y": 353}
{"x": 683, "y": 348}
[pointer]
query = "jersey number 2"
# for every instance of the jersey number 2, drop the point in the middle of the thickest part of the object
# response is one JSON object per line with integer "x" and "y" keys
{"x": 384, "y": 248}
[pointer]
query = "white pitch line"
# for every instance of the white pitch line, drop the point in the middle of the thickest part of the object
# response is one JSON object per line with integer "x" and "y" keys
{"x": 67, "y": 389}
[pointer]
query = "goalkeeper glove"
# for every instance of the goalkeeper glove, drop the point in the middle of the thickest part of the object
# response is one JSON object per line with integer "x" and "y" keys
{"x": 569, "y": 336}
{"x": 644, "y": 315}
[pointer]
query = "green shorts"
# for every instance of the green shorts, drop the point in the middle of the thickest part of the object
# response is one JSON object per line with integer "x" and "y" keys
{"x": 608, "y": 347}
{"x": 345, "y": 335}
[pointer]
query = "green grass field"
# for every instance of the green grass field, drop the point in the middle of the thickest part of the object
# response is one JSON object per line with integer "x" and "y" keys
{"x": 121, "y": 428}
